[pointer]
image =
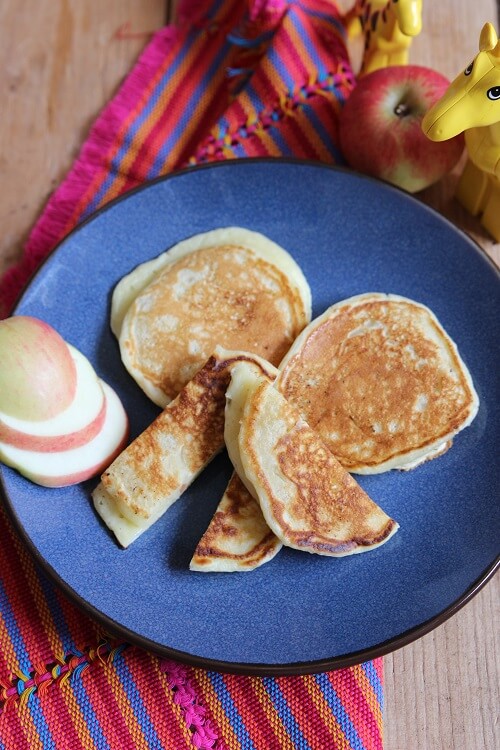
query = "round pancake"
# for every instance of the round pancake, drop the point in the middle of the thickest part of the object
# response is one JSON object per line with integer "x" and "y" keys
{"x": 307, "y": 498}
{"x": 381, "y": 381}
{"x": 229, "y": 287}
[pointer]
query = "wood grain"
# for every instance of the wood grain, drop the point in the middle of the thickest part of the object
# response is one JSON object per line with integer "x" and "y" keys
{"x": 60, "y": 62}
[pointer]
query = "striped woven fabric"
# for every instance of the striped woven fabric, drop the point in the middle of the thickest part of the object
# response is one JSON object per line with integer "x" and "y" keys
{"x": 230, "y": 80}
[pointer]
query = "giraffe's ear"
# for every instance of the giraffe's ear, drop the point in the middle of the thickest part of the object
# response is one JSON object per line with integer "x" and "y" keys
{"x": 488, "y": 40}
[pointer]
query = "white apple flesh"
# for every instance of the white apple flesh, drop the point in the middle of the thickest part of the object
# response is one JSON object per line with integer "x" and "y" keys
{"x": 381, "y": 127}
{"x": 37, "y": 372}
{"x": 76, "y": 425}
{"x": 59, "y": 469}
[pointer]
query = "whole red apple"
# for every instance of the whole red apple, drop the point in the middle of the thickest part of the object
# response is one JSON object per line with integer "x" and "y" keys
{"x": 381, "y": 133}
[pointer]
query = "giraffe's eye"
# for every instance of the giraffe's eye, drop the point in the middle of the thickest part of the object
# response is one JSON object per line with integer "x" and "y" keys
{"x": 494, "y": 93}
{"x": 468, "y": 69}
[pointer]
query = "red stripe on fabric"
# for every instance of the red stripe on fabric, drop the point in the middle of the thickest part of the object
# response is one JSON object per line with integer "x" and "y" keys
{"x": 85, "y": 633}
{"x": 102, "y": 171}
{"x": 175, "y": 107}
{"x": 107, "y": 710}
{"x": 291, "y": 59}
{"x": 59, "y": 722}
{"x": 298, "y": 126}
{"x": 206, "y": 697}
{"x": 358, "y": 708}
{"x": 164, "y": 116}
{"x": 309, "y": 718}
{"x": 12, "y": 732}
{"x": 163, "y": 713}
{"x": 245, "y": 692}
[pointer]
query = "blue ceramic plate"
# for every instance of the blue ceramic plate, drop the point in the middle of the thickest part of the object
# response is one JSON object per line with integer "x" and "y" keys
{"x": 300, "y": 612}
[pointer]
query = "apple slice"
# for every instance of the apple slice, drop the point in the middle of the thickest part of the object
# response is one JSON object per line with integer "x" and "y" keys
{"x": 37, "y": 371}
{"x": 61, "y": 468}
{"x": 80, "y": 422}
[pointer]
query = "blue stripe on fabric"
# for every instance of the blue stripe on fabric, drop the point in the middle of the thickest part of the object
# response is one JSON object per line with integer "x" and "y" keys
{"x": 14, "y": 632}
{"x": 91, "y": 721}
{"x": 311, "y": 49}
{"x": 324, "y": 17}
{"x": 374, "y": 680}
{"x": 280, "y": 67}
{"x": 323, "y": 134}
{"x": 278, "y": 138}
{"x": 215, "y": 8}
{"x": 137, "y": 123}
{"x": 26, "y": 667}
{"x": 337, "y": 707}
{"x": 40, "y": 722}
{"x": 137, "y": 704}
{"x": 285, "y": 714}
{"x": 187, "y": 114}
{"x": 231, "y": 711}
{"x": 255, "y": 99}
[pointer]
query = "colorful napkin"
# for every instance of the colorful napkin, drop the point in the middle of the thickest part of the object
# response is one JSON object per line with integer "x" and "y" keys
{"x": 230, "y": 80}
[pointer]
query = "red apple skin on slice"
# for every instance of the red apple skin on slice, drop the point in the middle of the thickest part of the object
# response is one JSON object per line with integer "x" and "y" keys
{"x": 64, "y": 468}
{"x": 380, "y": 127}
{"x": 75, "y": 426}
{"x": 37, "y": 372}
{"x": 57, "y": 443}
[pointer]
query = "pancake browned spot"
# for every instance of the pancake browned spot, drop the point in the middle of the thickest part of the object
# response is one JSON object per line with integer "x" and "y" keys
{"x": 238, "y": 538}
{"x": 308, "y": 499}
{"x": 156, "y": 468}
{"x": 381, "y": 381}
{"x": 229, "y": 287}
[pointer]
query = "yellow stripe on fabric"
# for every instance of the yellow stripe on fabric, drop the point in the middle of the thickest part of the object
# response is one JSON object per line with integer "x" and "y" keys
{"x": 210, "y": 699}
{"x": 301, "y": 50}
{"x": 126, "y": 710}
{"x": 327, "y": 715}
{"x": 272, "y": 715}
{"x": 28, "y": 726}
{"x": 150, "y": 122}
{"x": 75, "y": 713}
{"x": 268, "y": 142}
{"x": 367, "y": 690}
{"x": 309, "y": 135}
{"x": 168, "y": 94}
{"x": 9, "y": 652}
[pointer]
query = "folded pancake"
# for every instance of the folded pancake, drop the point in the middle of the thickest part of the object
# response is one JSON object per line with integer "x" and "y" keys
{"x": 381, "y": 381}
{"x": 156, "y": 468}
{"x": 230, "y": 287}
{"x": 238, "y": 538}
{"x": 307, "y": 498}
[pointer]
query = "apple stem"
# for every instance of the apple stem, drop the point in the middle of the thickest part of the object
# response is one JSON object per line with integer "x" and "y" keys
{"x": 402, "y": 109}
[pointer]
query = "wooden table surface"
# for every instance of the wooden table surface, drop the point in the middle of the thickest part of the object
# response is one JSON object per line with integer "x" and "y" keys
{"x": 60, "y": 62}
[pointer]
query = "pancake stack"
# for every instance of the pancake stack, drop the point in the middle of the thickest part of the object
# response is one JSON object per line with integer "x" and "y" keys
{"x": 373, "y": 384}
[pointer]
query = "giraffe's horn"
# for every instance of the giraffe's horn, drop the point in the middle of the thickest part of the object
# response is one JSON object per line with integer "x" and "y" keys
{"x": 488, "y": 39}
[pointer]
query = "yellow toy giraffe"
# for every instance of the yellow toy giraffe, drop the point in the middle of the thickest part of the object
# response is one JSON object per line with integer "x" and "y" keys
{"x": 388, "y": 27}
{"x": 472, "y": 105}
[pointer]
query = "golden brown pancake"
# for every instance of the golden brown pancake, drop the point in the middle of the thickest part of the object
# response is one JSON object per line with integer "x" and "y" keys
{"x": 380, "y": 380}
{"x": 308, "y": 499}
{"x": 229, "y": 287}
{"x": 156, "y": 468}
{"x": 238, "y": 538}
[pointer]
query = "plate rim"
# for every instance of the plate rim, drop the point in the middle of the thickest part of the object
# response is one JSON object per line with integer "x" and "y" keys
{"x": 249, "y": 669}
{"x": 244, "y": 668}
